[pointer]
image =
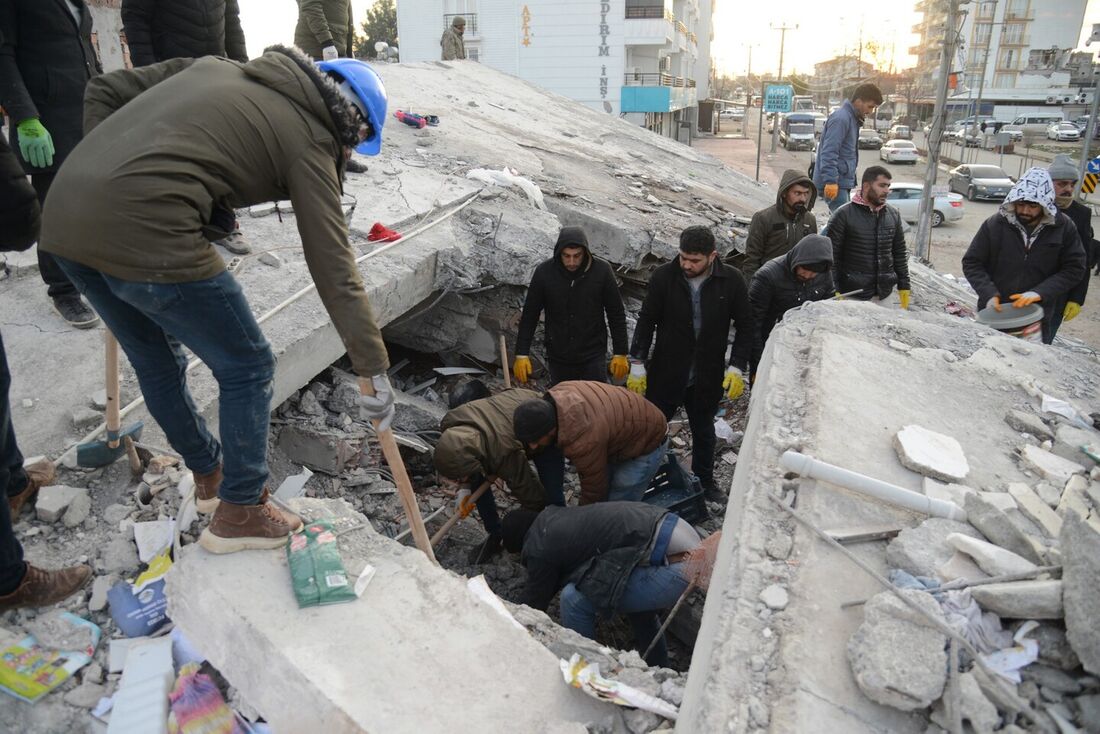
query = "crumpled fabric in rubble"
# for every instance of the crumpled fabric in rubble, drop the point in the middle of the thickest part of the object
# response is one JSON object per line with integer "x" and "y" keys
{"x": 981, "y": 629}
{"x": 198, "y": 706}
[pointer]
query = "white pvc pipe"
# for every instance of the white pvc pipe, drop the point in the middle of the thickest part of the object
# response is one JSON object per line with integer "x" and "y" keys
{"x": 808, "y": 466}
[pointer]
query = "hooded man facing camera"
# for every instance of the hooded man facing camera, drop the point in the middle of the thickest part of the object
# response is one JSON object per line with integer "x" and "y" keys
{"x": 776, "y": 229}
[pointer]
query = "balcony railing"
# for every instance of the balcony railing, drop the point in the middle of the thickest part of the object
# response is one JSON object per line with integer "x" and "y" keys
{"x": 644, "y": 11}
{"x": 681, "y": 27}
{"x": 1019, "y": 14}
{"x": 657, "y": 79}
{"x": 471, "y": 21}
{"x": 1021, "y": 39}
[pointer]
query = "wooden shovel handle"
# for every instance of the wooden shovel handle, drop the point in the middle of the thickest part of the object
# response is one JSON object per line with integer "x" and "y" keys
{"x": 504, "y": 363}
{"x": 114, "y": 419}
{"x": 446, "y": 527}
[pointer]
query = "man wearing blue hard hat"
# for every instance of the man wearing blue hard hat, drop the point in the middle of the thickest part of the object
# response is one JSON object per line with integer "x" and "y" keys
{"x": 164, "y": 145}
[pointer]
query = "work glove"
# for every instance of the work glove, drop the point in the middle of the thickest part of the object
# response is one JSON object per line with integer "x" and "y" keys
{"x": 831, "y": 191}
{"x": 636, "y": 381}
{"x": 330, "y": 53}
{"x": 1072, "y": 309}
{"x": 733, "y": 383}
{"x": 1020, "y": 300}
{"x": 35, "y": 143}
{"x": 619, "y": 366}
{"x": 378, "y": 407}
{"x": 521, "y": 368}
{"x": 903, "y": 296}
{"x": 463, "y": 505}
{"x": 995, "y": 302}
{"x": 838, "y": 296}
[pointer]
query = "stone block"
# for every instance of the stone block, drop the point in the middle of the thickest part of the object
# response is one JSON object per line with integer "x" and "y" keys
{"x": 995, "y": 525}
{"x": 1068, "y": 441}
{"x": 53, "y": 501}
{"x": 412, "y": 413}
{"x": 323, "y": 451}
{"x": 775, "y": 597}
{"x": 960, "y": 566}
{"x": 1021, "y": 599}
{"x": 100, "y": 586}
{"x": 992, "y": 559}
{"x": 85, "y": 418}
{"x": 924, "y": 549}
{"x": 1003, "y": 501}
{"x": 955, "y": 493}
{"x": 1080, "y": 542}
{"x": 78, "y": 510}
{"x": 120, "y": 556}
{"x": 1074, "y": 498}
{"x": 931, "y": 454}
{"x": 1050, "y": 466}
{"x": 1023, "y": 422}
{"x": 976, "y": 708}
{"x": 1035, "y": 509}
{"x": 1054, "y": 648}
{"x": 344, "y": 399}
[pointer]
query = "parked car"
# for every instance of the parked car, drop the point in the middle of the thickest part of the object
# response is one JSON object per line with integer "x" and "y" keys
{"x": 980, "y": 182}
{"x": 898, "y": 151}
{"x": 869, "y": 139}
{"x": 905, "y": 197}
{"x": 1033, "y": 124}
{"x": 900, "y": 132}
{"x": 819, "y": 122}
{"x": 1063, "y": 131}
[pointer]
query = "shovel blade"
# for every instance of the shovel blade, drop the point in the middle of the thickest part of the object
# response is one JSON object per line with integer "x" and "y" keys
{"x": 95, "y": 454}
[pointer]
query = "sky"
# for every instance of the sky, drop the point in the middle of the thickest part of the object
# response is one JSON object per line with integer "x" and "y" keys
{"x": 825, "y": 29}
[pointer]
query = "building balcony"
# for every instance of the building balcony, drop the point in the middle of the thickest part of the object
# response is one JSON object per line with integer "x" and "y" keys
{"x": 657, "y": 92}
{"x": 1019, "y": 14}
{"x": 637, "y": 11}
{"x": 471, "y": 24}
{"x": 1022, "y": 40}
{"x": 657, "y": 31}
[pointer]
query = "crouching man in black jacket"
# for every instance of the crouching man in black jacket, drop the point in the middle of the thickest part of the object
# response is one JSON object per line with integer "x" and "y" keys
{"x": 607, "y": 558}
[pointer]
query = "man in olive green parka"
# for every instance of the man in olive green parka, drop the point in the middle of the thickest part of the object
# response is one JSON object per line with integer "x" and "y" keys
{"x": 325, "y": 29}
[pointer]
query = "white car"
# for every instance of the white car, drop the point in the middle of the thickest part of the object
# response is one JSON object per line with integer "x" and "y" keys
{"x": 898, "y": 151}
{"x": 1063, "y": 131}
{"x": 905, "y": 197}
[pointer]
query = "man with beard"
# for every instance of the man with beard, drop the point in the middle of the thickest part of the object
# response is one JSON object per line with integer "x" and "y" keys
{"x": 776, "y": 229}
{"x": 1028, "y": 252}
{"x": 838, "y": 150}
{"x": 1064, "y": 174}
{"x": 869, "y": 252}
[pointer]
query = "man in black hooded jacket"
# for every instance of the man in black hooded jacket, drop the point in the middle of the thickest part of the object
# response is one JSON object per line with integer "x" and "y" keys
{"x": 576, "y": 289}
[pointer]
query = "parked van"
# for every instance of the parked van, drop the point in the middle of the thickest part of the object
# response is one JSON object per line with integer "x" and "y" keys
{"x": 796, "y": 131}
{"x": 1032, "y": 124}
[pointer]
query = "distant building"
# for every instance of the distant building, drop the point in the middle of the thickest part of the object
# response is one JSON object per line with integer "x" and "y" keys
{"x": 838, "y": 73}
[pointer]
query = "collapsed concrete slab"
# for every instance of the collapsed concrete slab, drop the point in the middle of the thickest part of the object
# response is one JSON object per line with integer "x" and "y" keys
{"x": 369, "y": 665}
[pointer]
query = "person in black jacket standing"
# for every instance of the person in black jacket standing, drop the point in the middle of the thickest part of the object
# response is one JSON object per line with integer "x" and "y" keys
{"x": 869, "y": 252}
{"x": 576, "y": 290}
{"x": 46, "y": 59}
{"x": 1028, "y": 252}
{"x": 1064, "y": 174}
{"x": 690, "y": 304}
{"x": 159, "y": 30}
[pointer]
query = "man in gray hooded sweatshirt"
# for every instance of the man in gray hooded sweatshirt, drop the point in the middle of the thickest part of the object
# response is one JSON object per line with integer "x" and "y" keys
{"x": 1028, "y": 252}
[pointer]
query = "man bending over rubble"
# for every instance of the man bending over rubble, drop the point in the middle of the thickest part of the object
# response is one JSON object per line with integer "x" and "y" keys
{"x": 613, "y": 557}
{"x": 614, "y": 438}
{"x": 1028, "y": 252}
{"x": 164, "y": 144}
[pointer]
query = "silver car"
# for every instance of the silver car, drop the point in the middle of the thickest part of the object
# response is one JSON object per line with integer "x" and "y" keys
{"x": 980, "y": 182}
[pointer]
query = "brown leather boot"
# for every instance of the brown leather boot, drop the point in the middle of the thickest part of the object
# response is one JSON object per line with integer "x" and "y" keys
{"x": 41, "y": 588}
{"x": 39, "y": 474}
{"x": 206, "y": 490}
{"x": 248, "y": 527}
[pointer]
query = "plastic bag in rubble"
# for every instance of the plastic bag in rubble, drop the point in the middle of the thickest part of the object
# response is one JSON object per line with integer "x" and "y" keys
{"x": 1007, "y": 663}
{"x": 981, "y": 629}
{"x": 316, "y": 570}
{"x": 508, "y": 177}
{"x": 723, "y": 431}
{"x": 581, "y": 674}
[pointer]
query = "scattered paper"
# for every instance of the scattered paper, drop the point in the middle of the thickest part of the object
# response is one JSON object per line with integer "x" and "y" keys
{"x": 294, "y": 486}
{"x": 152, "y": 538}
{"x": 479, "y": 588}
{"x": 581, "y": 674}
{"x": 1064, "y": 409}
{"x": 1007, "y": 663}
{"x": 29, "y": 671}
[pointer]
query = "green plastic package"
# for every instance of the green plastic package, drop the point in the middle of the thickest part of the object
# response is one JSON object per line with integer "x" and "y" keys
{"x": 316, "y": 570}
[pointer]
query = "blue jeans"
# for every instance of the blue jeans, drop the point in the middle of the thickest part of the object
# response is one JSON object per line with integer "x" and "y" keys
{"x": 842, "y": 198}
{"x": 212, "y": 318}
{"x": 648, "y": 590}
{"x": 630, "y": 479}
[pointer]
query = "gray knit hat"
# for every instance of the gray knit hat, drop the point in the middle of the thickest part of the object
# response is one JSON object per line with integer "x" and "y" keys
{"x": 1062, "y": 168}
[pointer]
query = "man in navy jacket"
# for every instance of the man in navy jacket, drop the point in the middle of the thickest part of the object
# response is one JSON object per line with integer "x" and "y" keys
{"x": 838, "y": 151}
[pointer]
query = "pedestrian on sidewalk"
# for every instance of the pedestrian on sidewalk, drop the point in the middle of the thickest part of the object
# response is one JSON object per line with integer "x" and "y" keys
{"x": 785, "y": 282}
{"x": 1063, "y": 173}
{"x": 158, "y": 30}
{"x": 869, "y": 253}
{"x": 776, "y": 229}
{"x": 691, "y": 304}
{"x": 576, "y": 290}
{"x": 21, "y": 584}
{"x": 326, "y": 29}
{"x": 477, "y": 441}
{"x": 609, "y": 558}
{"x": 615, "y": 439}
{"x": 125, "y": 223}
{"x": 838, "y": 149}
{"x": 1028, "y": 252}
{"x": 46, "y": 59}
{"x": 452, "y": 46}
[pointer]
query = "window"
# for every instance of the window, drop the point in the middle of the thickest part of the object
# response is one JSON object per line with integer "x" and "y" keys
{"x": 1013, "y": 33}
{"x": 982, "y": 33}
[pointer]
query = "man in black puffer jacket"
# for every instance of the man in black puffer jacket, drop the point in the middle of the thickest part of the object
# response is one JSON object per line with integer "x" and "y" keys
{"x": 576, "y": 289}
{"x": 788, "y": 281}
{"x": 158, "y": 30}
{"x": 869, "y": 252}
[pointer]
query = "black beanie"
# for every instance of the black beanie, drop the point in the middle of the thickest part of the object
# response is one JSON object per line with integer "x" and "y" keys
{"x": 514, "y": 527}
{"x": 533, "y": 419}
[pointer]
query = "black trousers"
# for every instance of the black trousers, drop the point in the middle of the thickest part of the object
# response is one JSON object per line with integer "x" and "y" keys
{"x": 703, "y": 440}
{"x": 593, "y": 369}
{"x": 57, "y": 283}
{"x": 12, "y": 480}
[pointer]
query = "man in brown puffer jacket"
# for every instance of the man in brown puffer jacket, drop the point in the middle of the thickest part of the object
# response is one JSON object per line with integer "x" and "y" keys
{"x": 616, "y": 439}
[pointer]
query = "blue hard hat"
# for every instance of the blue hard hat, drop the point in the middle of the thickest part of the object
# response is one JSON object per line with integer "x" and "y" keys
{"x": 367, "y": 86}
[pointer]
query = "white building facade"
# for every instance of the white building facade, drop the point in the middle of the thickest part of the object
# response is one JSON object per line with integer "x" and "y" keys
{"x": 647, "y": 60}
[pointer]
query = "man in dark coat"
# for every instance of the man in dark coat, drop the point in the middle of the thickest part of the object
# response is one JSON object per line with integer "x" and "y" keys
{"x": 46, "y": 59}
{"x": 869, "y": 252}
{"x": 21, "y": 584}
{"x": 575, "y": 289}
{"x": 690, "y": 304}
{"x": 776, "y": 229}
{"x": 1064, "y": 175}
{"x": 607, "y": 558}
{"x": 786, "y": 282}
{"x": 1028, "y": 252}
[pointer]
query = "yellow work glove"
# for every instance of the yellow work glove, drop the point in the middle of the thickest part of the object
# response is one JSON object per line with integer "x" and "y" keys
{"x": 1020, "y": 300}
{"x": 903, "y": 296}
{"x": 636, "y": 382}
{"x": 619, "y": 366}
{"x": 838, "y": 296}
{"x": 733, "y": 383}
{"x": 521, "y": 368}
{"x": 1072, "y": 309}
{"x": 831, "y": 191}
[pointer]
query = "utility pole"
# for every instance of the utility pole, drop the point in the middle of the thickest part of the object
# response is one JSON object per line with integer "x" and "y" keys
{"x": 985, "y": 67}
{"x": 1090, "y": 129}
{"x": 935, "y": 134}
{"x": 782, "y": 41}
{"x": 748, "y": 106}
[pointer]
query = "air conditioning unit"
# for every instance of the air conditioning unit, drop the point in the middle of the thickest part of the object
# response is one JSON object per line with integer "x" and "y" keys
{"x": 1052, "y": 100}
{"x": 1067, "y": 99}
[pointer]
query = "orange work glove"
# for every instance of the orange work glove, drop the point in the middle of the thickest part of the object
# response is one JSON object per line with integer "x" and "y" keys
{"x": 1020, "y": 300}
{"x": 831, "y": 191}
{"x": 619, "y": 366}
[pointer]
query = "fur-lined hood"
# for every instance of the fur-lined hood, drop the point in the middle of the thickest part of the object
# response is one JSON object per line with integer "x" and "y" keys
{"x": 288, "y": 70}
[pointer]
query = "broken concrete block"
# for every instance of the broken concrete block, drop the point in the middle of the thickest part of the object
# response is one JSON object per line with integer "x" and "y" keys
{"x": 120, "y": 556}
{"x": 78, "y": 510}
{"x": 1054, "y": 648}
{"x": 995, "y": 525}
{"x": 344, "y": 399}
{"x": 1049, "y": 466}
{"x": 1080, "y": 541}
{"x": 308, "y": 404}
{"x": 960, "y": 566}
{"x": 775, "y": 597}
{"x": 1035, "y": 509}
{"x": 85, "y": 418}
{"x": 86, "y": 695}
{"x": 271, "y": 259}
{"x": 412, "y": 413}
{"x": 924, "y": 549}
{"x": 53, "y": 501}
{"x": 1023, "y": 422}
{"x": 100, "y": 586}
{"x": 931, "y": 454}
{"x": 1051, "y": 678}
{"x": 98, "y": 399}
{"x": 1003, "y": 501}
{"x": 1021, "y": 599}
{"x": 1049, "y": 493}
{"x": 976, "y": 708}
{"x": 955, "y": 493}
{"x": 1069, "y": 440}
{"x": 992, "y": 559}
{"x": 319, "y": 450}
{"x": 896, "y": 657}
{"x": 1074, "y": 498}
